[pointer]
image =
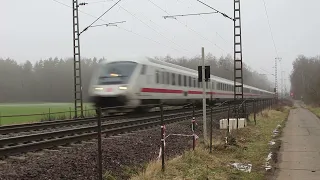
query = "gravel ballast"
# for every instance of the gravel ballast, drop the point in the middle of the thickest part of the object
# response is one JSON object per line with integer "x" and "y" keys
{"x": 119, "y": 153}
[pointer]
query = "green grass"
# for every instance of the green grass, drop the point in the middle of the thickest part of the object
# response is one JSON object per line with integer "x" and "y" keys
{"x": 42, "y": 109}
{"x": 315, "y": 110}
{"x": 252, "y": 148}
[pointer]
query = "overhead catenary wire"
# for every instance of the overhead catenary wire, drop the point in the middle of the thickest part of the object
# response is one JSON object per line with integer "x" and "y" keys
{"x": 206, "y": 22}
{"x": 159, "y": 27}
{"x": 192, "y": 14}
{"x": 109, "y": 24}
{"x": 274, "y": 44}
{"x": 223, "y": 14}
{"x": 187, "y": 26}
{"x": 100, "y": 16}
{"x": 137, "y": 34}
{"x": 78, "y": 10}
{"x": 88, "y": 2}
{"x": 132, "y": 14}
{"x": 130, "y": 31}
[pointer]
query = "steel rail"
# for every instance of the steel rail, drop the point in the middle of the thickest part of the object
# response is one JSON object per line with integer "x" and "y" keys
{"x": 38, "y": 141}
{"x": 40, "y": 136}
{"x": 7, "y": 129}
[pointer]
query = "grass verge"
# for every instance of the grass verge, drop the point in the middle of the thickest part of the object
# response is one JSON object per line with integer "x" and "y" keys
{"x": 252, "y": 147}
{"x": 314, "y": 109}
{"x": 37, "y": 112}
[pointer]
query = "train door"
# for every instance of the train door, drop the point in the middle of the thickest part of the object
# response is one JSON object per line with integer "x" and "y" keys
{"x": 162, "y": 78}
{"x": 142, "y": 80}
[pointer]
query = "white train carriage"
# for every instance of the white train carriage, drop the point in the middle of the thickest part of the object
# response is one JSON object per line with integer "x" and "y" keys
{"x": 134, "y": 82}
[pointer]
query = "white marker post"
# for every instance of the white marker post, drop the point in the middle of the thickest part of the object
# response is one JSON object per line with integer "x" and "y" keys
{"x": 204, "y": 99}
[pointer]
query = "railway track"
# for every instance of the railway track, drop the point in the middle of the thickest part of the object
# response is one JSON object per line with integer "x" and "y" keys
{"x": 39, "y": 126}
{"x": 38, "y": 141}
{"x": 61, "y": 137}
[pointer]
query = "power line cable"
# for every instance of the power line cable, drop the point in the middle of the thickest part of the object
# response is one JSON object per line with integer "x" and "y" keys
{"x": 223, "y": 14}
{"x": 100, "y": 16}
{"x": 274, "y": 44}
{"x": 206, "y": 22}
{"x": 78, "y": 9}
{"x": 189, "y": 14}
{"x": 130, "y": 31}
{"x": 187, "y": 26}
{"x": 132, "y": 14}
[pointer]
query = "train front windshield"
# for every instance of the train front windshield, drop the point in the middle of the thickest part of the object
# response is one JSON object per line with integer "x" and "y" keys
{"x": 116, "y": 73}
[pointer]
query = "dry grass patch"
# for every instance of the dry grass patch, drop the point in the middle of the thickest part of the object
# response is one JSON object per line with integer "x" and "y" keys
{"x": 252, "y": 147}
{"x": 314, "y": 109}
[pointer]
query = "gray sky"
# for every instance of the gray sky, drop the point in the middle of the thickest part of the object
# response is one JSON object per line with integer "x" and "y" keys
{"x": 35, "y": 29}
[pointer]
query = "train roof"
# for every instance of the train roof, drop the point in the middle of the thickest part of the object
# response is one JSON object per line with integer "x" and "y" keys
{"x": 151, "y": 61}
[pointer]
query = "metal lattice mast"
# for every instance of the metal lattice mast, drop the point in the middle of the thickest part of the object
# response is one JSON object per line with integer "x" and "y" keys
{"x": 76, "y": 61}
{"x": 238, "y": 76}
{"x": 282, "y": 88}
{"x": 276, "y": 77}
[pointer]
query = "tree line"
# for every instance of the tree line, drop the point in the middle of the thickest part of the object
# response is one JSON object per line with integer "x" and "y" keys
{"x": 51, "y": 80}
{"x": 305, "y": 84}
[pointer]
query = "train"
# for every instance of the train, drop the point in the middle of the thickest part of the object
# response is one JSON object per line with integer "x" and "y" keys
{"x": 130, "y": 84}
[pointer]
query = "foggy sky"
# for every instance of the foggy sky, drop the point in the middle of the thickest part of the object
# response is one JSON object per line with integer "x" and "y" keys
{"x": 37, "y": 29}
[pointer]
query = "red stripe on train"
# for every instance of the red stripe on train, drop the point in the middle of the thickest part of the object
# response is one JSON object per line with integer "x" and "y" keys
{"x": 173, "y": 91}
{"x": 156, "y": 90}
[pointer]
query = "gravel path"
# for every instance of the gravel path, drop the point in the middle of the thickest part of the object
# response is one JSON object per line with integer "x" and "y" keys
{"x": 79, "y": 162}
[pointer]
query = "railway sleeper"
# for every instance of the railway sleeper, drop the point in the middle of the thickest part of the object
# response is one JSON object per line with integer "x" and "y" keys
{"x": 53, "y": 142}
{"x": 35, "y": 153}
{"x": 17, "y": 157}
{"x": 51, "y": 150}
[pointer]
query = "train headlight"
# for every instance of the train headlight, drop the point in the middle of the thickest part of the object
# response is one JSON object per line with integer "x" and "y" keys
{"x": 123, "y": 87}
{"x": 98, "y": 88}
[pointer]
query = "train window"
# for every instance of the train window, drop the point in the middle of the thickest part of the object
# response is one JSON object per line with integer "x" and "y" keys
{"x": 160, "y": 78}
{"x": 143, "y": 69}
{"x": 173, "y": 79}
{"x": 194, "y": 82}
{"x": 185, "y": 80}
{"x": 168, "y": 78}
{"x": 190, "y": 83}
{"x": 157, "y": 77}
{"x": 179, "y": 80}
{"x": 163, "y": 77}
{"x": 212, "y": 85}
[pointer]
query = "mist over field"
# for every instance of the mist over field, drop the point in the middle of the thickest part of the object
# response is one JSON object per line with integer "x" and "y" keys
{"x": 51, "y": 80}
